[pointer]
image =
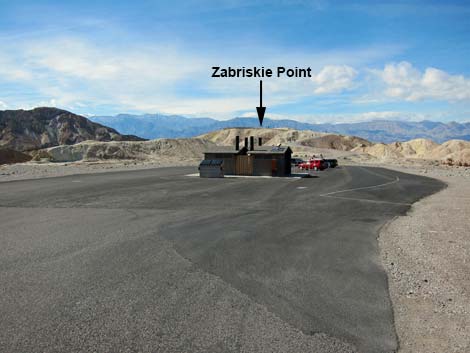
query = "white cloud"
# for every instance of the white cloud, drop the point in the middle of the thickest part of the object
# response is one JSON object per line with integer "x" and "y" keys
{"x": 333, "y": 79}
{"x": 85, "y": 74}
{"x": 72, "y": 72}
{"x": 404, "y": 81}
{"x": 12, "y": 70}
{"x": 76, "y": 58}
{"x": 3, "y": 105}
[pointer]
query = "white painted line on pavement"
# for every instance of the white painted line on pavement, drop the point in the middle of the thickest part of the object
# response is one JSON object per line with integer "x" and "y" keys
{"x": 363, "y": 188}
{"x": 366, "y": 200}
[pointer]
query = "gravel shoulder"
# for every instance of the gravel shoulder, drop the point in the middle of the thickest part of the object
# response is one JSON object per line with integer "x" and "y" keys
{"x": 34, "y": 170}
{"x": 426, "y": 255}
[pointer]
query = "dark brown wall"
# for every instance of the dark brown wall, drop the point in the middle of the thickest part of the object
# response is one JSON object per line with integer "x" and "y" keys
{"x": 262, "y": 163}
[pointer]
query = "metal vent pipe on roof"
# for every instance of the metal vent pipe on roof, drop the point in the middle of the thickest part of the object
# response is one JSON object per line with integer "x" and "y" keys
{"x": 252, "y": 143}
{"x": 260, "y": 141}
{"x": 237, "y": 143}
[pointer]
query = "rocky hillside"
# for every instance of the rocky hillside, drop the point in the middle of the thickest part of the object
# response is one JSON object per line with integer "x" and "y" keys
{"x": 336, "y": 142}
{"x": 191, "y": 150}
{"x": 226, "y": 137}
{"x": 69, "y": 129}
{"x": 451, "y": 152}
{"x": 26, "y": 130}
{"x": 455, "y": 152}
{"x": 9, "y": 156}
{"x": 285, "y": 136}
{"x": 176, "y": 151}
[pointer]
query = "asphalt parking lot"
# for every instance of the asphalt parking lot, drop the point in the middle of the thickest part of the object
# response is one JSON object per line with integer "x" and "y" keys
{"x": 154, "y": 260}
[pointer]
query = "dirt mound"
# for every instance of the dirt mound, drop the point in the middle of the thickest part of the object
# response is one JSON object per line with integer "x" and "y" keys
{"x": 9, "y": 156}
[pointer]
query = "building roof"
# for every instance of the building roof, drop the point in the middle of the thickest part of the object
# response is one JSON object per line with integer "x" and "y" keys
{"x": 211, "y": 162}
{"x": 226, "y": 150}
{"x": 244, "y": 150}
{"x": 270, "y": 150}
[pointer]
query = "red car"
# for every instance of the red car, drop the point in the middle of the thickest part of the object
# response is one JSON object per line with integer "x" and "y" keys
{"x": 315, "y": 164}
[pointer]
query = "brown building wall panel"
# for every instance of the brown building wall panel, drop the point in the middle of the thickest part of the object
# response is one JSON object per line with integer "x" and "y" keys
{"x": 257, "y": 164}
{"x": 262, "y": 167}
{"x": 229, "y": 165}
{"x": 244, "y": 165}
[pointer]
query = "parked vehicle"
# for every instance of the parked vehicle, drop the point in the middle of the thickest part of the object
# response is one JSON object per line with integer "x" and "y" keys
{"x": 295, "y": 162}
{"x": 331, "y": 163}
{"x": 313, "y": 164}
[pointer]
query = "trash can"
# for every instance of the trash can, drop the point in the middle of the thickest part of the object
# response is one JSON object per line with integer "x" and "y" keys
{"x": 211, "y": 168}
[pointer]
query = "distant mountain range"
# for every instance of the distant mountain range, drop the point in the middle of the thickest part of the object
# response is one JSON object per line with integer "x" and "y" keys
{"x": 157, "y": 126}
{"x": 26, "y": 130}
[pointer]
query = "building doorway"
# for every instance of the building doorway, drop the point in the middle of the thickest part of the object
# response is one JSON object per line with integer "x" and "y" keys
{"x": 244, "y": 165}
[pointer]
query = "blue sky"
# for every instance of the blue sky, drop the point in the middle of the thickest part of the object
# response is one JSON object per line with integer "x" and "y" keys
{"x": 370, "y": 60}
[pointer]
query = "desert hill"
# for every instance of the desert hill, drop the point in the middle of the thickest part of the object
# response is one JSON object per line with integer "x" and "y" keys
{"x": 335, "y": 142}
{"x": 286, "y": 136}
{"x": 453, "y": 151}
{"x": 52, "y": 130}
{"x": 176, "y": 151}
{"x": 61, "y": 136}
{"x": 26, "y": 130}
{"x": 191, "y": 150}
{"x": 226, "y": 137}
{"x": 304, "y": 143}
{"x": 450, "y": 152}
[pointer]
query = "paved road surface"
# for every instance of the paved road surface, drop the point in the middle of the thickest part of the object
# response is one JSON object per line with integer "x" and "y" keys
{"x": 156, "y": 261}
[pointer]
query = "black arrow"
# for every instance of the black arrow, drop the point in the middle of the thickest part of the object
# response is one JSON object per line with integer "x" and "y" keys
{"x": 261, "y": 110}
